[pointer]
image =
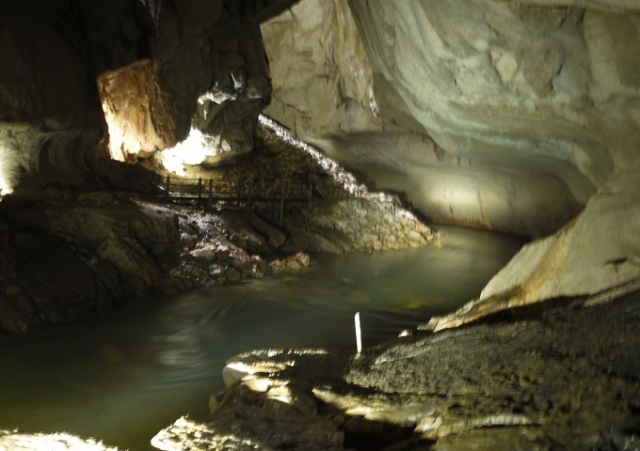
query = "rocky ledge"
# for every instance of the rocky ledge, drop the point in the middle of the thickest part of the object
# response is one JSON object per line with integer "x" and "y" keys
{"x": 565, "y": 376}
{"x": 70, "y": 256}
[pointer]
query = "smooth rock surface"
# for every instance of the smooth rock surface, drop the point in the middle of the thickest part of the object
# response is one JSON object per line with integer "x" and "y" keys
{"x": 426, "y": 112}
{"x": 507, "y": 115}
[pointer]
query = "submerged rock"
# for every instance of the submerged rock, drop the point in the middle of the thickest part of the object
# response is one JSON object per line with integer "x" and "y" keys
{"x": 293, "y": 263}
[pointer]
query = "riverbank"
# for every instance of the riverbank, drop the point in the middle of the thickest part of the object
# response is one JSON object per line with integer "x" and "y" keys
{"x": 72, "y": 256}
{"x": 565, "y": 376}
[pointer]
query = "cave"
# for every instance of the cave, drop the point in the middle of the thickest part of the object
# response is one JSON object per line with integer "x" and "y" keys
{"x": 176, "y": 174}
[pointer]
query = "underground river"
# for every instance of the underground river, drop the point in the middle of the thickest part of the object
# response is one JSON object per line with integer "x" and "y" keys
{"x": 123, "y": 378}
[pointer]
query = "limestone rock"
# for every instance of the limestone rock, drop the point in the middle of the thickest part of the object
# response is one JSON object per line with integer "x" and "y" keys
{"x": 292, "y": 263}
{"x": 117, "y": 248}
{"x": 18, "y": 441}
{"x": 360, "y": 224}
{"x": 232, "y": 274}
{"x": 250, "y": 419}
{"x": 381, "y": 89}
{"x": 511, "y": 116}
{"x": 135, "y": 108}
{"x": 557, "y": 378}
{"x": 152, "y": 61}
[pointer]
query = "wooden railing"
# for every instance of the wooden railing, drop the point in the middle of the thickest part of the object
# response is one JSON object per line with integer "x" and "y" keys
{"x": 247, "y": 191}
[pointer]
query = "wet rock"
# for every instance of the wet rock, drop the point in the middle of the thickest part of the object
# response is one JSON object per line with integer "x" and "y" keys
{"x": 232, "y": 274}
{"x": 562, "y": 377}
{"x": 339, "y": 225}
{"x": 275, "y": 236}
{"x": 17, "y": 441}
{"x": 249, "y": 417}
{"x": 292, "y": 263}
{"x": 315, "y": 239}
{"x": 117, "y": 249}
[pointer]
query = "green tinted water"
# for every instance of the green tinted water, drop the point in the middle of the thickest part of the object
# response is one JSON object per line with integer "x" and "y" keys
{"x": 124, "y": 378}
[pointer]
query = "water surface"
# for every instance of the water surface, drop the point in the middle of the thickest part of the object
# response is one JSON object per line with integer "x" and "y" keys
{"x": 124, "y": 378}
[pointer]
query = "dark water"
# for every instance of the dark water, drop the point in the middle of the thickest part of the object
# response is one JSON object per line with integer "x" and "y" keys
{"x": 123, "y": 379}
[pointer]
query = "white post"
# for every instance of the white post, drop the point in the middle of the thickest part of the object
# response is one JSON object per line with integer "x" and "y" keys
{"x": 358, "y": 333}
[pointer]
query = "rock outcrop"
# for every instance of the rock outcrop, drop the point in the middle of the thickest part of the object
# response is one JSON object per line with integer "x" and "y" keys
{"x": 421, "y": 108}
{"x": 117, "y": 248}
{"x": 514, "y": 116}
{"x": 562, "y": 378}
{"x": 358, "y": 224}
{"x": 20, "y": 441}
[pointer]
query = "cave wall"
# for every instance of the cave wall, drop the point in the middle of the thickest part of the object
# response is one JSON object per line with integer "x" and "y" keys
{"x": 412, "y": 95}
{"x": 514, "y": 116}
{"x": 154, "y": 61}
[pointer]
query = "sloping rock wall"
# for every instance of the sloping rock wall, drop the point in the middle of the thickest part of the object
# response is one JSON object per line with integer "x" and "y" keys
{"x": 506, "y": 115}
{"x": 412, "y": 96}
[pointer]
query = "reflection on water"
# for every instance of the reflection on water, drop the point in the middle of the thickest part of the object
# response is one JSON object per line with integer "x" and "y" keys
{"x": 123, "y": 379}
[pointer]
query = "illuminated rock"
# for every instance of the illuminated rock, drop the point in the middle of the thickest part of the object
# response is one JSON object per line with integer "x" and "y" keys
{"x": 555, "y": 377}
{"x": 511, "y": 116}
{"x": 17, "y": 441}
{"x": 139, "y": 119}
{"x": 148, "y": 63}
{"x": 388, "y": 104}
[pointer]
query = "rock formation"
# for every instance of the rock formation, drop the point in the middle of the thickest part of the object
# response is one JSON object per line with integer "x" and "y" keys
{"x": 142, "y": 66}
{"x": 120, "y": 246}
{"x": 508, "y": 115}
{"x": 557, "y": 379}
{"x": 513, "y": 115}
{"x": 20, "y": 441}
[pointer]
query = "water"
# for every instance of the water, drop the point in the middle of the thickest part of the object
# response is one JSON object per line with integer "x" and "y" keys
{"x": 124, "y": 378}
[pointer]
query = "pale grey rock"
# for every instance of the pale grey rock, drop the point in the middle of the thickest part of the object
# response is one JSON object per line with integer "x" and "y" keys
{"x": 512, "y": 116}
{"x": 381, "y": 89}
{"x": 20, "y": 441}
{"x": 343, "y": 222}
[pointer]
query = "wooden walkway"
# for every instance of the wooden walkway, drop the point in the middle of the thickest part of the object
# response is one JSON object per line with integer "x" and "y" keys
{"x": 248, "y": 192}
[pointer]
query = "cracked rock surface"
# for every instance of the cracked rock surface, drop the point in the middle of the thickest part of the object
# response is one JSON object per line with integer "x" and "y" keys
{"x": 563, "y": 377}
